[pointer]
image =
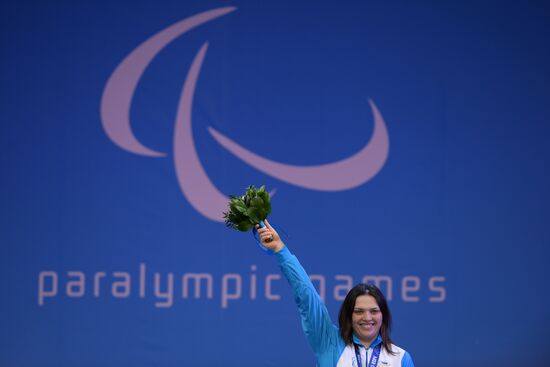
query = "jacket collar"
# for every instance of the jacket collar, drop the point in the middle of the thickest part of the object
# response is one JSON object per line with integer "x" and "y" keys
{"x": 374, "y": 343}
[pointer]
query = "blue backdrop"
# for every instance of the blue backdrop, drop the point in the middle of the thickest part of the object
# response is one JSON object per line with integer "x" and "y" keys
{"x": 405, "y": 142}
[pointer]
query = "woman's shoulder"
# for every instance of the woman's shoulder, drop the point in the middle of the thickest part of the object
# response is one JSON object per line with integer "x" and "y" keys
{"x": 400, "y": 357}
{"x": 397, "y": 353}
{"x": 398, "y": 350}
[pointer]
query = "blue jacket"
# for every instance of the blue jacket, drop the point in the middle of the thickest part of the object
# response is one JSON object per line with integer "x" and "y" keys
{"x": 323, "y": 336}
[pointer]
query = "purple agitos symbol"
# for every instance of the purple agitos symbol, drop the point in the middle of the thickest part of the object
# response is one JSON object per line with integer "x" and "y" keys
{"x": 194, "y": 182}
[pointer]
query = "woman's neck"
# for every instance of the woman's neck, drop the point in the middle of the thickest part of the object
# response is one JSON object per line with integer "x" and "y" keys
{"x": 367, "y": 342}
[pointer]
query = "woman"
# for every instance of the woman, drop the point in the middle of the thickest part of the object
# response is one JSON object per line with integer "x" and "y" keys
{"x": 363, "y": 339}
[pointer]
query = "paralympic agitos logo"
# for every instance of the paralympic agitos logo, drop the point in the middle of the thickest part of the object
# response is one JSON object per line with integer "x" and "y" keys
{"x": 195, "y": 185}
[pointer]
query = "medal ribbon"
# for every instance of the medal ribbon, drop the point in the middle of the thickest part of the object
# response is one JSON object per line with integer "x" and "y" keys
{"x": 373, "y": 357}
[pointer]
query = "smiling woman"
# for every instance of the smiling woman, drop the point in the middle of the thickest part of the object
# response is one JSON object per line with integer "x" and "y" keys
{"x": 363, "y": 338}
{"x": 365, "y": 314}
{"x": 366, "y": 319}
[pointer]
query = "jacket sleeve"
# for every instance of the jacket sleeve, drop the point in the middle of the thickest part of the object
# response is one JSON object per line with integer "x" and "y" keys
{"x": 316, "y": 322}
{"x": 407, "y": 360}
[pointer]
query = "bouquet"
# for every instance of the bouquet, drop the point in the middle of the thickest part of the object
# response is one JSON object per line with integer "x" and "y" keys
{"x": 248, "y": 210}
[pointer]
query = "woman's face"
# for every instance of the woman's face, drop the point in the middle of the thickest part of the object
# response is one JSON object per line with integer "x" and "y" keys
{"x": 366, "y": 319}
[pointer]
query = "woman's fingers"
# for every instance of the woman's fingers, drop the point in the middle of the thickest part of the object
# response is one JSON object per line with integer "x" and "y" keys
{"x": 269, "y": 237}
{"x": 266, "y": 236}
{"x": 274, "y": 232}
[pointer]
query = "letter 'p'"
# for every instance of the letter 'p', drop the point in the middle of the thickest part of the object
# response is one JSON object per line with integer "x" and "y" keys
{"x": 42, "y": 291}
{"x": 225, "y": 288}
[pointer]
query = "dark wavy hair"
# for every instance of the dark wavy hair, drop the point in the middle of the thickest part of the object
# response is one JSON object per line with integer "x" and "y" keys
{"x": 346, "y": 312}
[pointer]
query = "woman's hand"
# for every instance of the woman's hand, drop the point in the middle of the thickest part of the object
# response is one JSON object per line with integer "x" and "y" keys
{"x": 270, "y": 238}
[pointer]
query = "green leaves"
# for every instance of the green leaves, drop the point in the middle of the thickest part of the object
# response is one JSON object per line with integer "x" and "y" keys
{"x": 248, "y": 210}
